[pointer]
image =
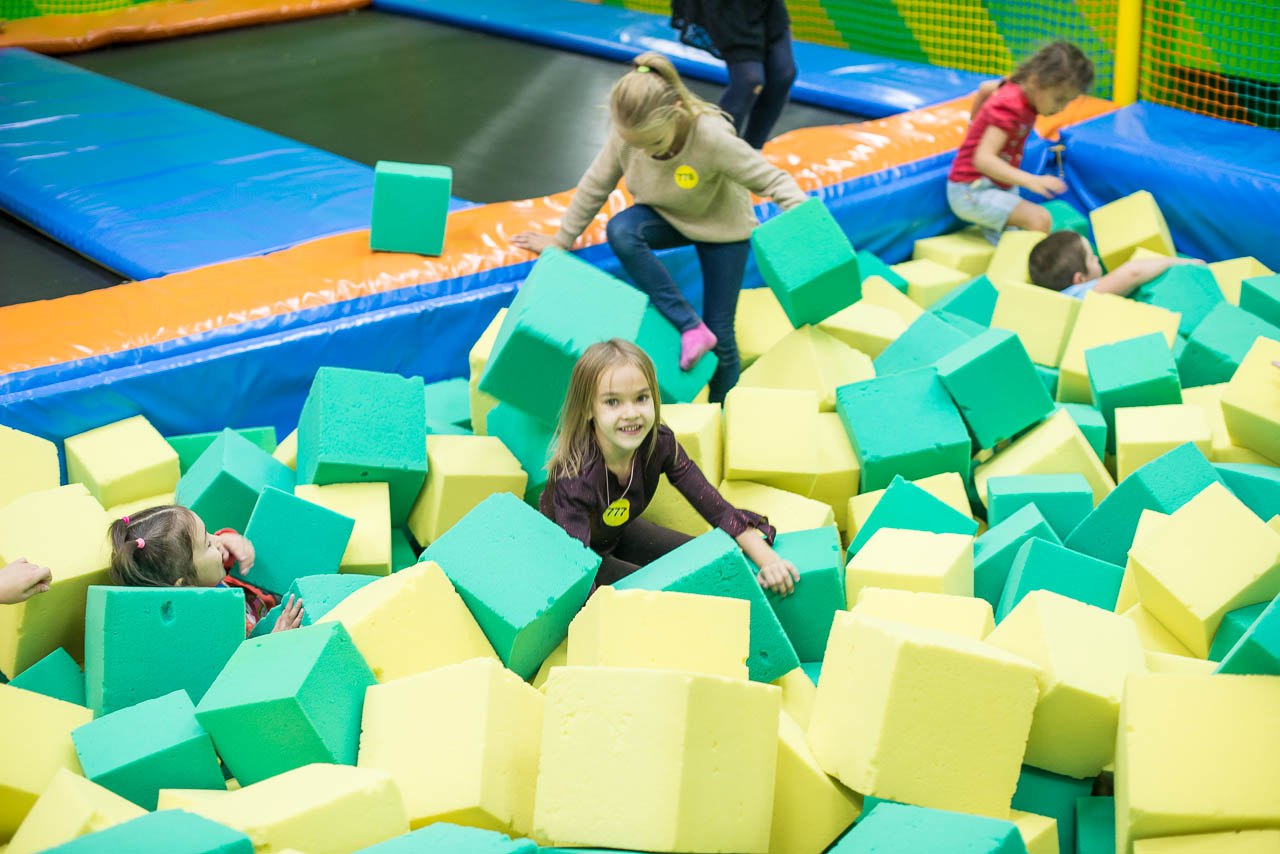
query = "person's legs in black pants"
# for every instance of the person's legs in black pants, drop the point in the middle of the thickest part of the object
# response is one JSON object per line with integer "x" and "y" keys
{"x": 758, "y": 91}
{"x": 641, "y": 543}
{"x": 723, "y": 266}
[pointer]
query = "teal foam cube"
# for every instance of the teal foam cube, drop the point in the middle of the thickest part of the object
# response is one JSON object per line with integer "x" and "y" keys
{"x": 870, "y": 264}
{"x": 661, "y": 341}
{"x": 444, "y": 838}
{"x": 1258, "y": 649}
{"x": 902, "y": 829}
{"x": 1044, "y": 565}
{"x": 1164, "y": 484}
{"x": 1134, "y": 372}
{"x": 1091, "y": 423}
{"x": 975, "y": 300}
{"x": 1063, "y": 499}
{"x": 1217, "y": 346}
{"x": 146, "y": 642}
{"x": 320, "y": 594}
{"x": 1050, "y": 376}
{"x": 293, "y": 537}
{"x": 905, "y": 424}
{"x": 410, "y": 207}
{"x": 1233, "y": 626}
{"x": 164, "y": 832}
{"x": 56, "y": 675}
{"x": 520, "y": 574}
{"x": 808, "y": 263}
{"x": 905, "y": 505}
{"x": 223, "y": 483}
{"x": 812, "y": 669}
{"x": 997, "y": 548}
{"x": 564, "y": 307}
{"x": 448, "y": 402}
{"x": 157, "y": 744}
{"x": 192, "y": 445}
{"x": 1067, "y": 218}
{"x": 1258, "y": 486}
{"x": 995, "y": 386}
{"x": 713, "y": 565}
{"x": 969, "y": 327}
{"x": 1096, "y": 825}
{"x": 403, "y": 553}
{"x": 1261, "y": 296}
{"x": 806, "y": 615}
{"x": 1187, "y": 289}
{"x": 529, "y": 441}
{"x": 286, "y": 700}
{"x": 1052, "y": 795}
{"x": 920, "y": 345}
{"x": 365, "y": 426}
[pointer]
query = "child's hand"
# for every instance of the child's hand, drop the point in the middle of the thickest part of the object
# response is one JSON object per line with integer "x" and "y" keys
{"x": 778, "y": 575}
{"x": 1046, "y": 185}
{"x": 290, "y": 615}
{"x": 533, "y": 241}
{"x": 21, "y": 580}
{"x": 236, "y": 548}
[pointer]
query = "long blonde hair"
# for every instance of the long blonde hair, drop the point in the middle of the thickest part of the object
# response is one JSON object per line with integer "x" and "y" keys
{"x": 647, "y": 102}
{"x": 575, "y": 434}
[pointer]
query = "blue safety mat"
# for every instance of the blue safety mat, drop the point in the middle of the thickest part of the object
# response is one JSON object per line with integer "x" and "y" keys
{"x": 145, "y": 185}
{"x": 858, "y": 83}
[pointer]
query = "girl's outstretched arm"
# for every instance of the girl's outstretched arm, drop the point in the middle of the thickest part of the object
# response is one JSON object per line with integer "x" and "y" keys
{"x": 776, "y": 573}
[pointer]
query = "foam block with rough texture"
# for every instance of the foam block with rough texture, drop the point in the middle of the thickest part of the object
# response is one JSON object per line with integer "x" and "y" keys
{"x": 771, "y": 437}
{"x": 1154, "y": 636}
{"x": 1251, "y": 401}
{"x": 1009, "y": 261}
{"x": 293, "y": 537}
{"x": 56, "y": 675}
{"x": 1232, "y": 272}
{"x": 36, "y": 741}
{"x": 661, "y": 340}
{"x": 921, "y": 561}
{"x": 1128, "y": 596}
{"x": 1217, "y": 346}
{"x": 122, "y": 461}
{"x": 1227, "y": 842}
{"x": 190, "y": 446}
{"x": 1144, "y": 433}
{"x": 866, "y": 327}
{"x": 921, "y": 345}
{"x": 879, "y": 291}
{"x": 1091, "y": 423}
{"x": 1067, "y": 218}
{"x": 810, "y": 809}
{"x": 306, "y": 686}
{"x": 287, "y": 451}
{"x": 27, "y": 464}
{"x": 477, "y": 358}
{"x": 365, "y": 426}
{"x": 807, "y": 262}
{"x": 368, "y": 504}
{"x": 838, "y": 474}
{"x": 995, "y": 386}
{"x": 461, "y": 472}
{"x": 948, "y": 486}
{"x": 445, "y": 838}
{"x": 798, "y": 691}
{"x": 410, "y": 622}
{"x": 698, "y": 429}
{"x": 870, "y": 265}
{"x": 1042, "y": 319}
{"x": 403, "y": 552}
{"x": 658, "y": 760}
{"x": 69, "y": 808}
{"x": 224, "y": 482}
{"x": 1039, "y": 832}
{"x": 785, "y": 510}
{"x": 928, "y": 280}
{"x": 974, "y": 300}
{"x": 1261, "y": 295}
{"x": 968, "y": 251}
{"x": 941, "y": 720}
{"x": 1258, "y": 650}
{"x": 961, "y": 615}
{"x": 146, "y": 642}
{"x": 809, "y": 359}
{"x": 1063, "y": 499}
{"x": 997, "y": 548}
{"x": 461, "y": 743}
{"x": 1095, "y": 825}
{"x": 1209, "y": 398}
{"x": 1135, "y": 372}
{"x": 529, "y": 441}
{"x": 807, "y": 613}
{"x": 153, "y": 745}
{"x": 1107, "y": 319}
{"x": 1190, "y": 290}
{"x": 903, "y": 829}
{"x": 1123, "y": 225}
{"x": 1208, "y": 768}
{"x": 1234, "y": 624}
{"x": 1052, "y": 795}
{"x": 1044, "y": 565}
{"x": 448, "y": 403}
{"x": 908, "y": 506}
{"x": 166, "y": 832}
{"x": 320, "y": 594}
{"x": 1054, "y": 446}
{"x": 410, "y": 207}
{"x": 759, "y": 324}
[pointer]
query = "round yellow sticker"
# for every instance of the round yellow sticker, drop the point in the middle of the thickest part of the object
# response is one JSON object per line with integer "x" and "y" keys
{"x": 686, "y": 177}
{"x": 617, "y": 513}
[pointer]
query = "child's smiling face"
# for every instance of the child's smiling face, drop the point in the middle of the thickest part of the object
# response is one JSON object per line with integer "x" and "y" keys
{"x": 622, "y": 410}
{"x": 207, "y": 557}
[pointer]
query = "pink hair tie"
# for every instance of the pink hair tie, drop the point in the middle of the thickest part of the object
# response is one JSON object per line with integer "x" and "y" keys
{"x": 125, "y": 519}
{"x": 141, "y": 542}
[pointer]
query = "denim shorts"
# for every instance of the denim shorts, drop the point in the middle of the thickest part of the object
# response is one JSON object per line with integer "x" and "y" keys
{"x": 983, "y": 203}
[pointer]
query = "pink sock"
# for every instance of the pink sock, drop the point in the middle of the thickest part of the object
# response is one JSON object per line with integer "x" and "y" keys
{"x": 694, "y": 344}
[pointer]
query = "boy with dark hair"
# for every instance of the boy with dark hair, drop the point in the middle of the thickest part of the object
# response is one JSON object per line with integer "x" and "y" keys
{"x": 1065, "y": 262}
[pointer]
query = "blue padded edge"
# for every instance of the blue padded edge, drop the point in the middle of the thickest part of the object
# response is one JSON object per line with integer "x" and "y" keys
{"x": 146, "y": 185}
{"x": 859, "y": 83}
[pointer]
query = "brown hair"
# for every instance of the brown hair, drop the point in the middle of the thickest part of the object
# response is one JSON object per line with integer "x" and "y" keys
{"x": 168, "y": 551}
{"x": 647, "y": 101}
{"x": 1056, "y": 64}
{"x": 1054, "y": 261}
{"x": 575, "y": 434}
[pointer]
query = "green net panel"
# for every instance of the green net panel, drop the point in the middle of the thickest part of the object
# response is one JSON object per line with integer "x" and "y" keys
{"x": 11, "y": 10}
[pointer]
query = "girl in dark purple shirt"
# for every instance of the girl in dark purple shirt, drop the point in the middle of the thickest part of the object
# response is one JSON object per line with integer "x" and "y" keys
{"x": 608, "y": 455}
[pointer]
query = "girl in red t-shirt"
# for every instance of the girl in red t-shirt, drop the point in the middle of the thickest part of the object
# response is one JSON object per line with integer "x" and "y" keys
{"x": 980, "y": 186}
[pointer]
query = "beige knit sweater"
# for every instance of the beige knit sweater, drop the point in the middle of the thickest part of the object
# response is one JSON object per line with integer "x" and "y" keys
{"x": 703, "y": 191}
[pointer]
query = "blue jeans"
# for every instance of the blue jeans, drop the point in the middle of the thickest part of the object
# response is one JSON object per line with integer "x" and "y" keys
{"x": 635, "y": 233}
{"x": 758, "y": 91}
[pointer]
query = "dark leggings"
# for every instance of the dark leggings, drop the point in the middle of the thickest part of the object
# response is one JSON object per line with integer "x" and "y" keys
{"x": 758, "y": 91}
{"x": 642, "y": 542}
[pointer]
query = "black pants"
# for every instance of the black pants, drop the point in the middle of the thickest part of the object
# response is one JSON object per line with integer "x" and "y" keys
{"x": 642, "y": 542}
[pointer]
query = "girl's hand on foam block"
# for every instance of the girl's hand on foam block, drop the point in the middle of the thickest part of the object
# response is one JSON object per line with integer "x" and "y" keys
{"x": 21, "y": 580}
{"x": 533, "y": 241}
{"x": 290, "y": 616}
{"x": 778, "y": 575}
{"x": 237, "y": 548}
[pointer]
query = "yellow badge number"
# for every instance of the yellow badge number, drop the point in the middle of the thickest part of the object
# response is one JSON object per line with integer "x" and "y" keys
{"x": 617, "y": 513}
{"x": 686, "y": 177}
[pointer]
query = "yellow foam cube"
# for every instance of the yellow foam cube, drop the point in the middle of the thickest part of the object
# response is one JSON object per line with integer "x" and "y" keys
{"x": 1129, "y": 222}
{"x": 131, "y": 507}
{"x": 1106, "y": 319}
{"x": 64, "y": 529}
{"x": 919, "y": 561}
{"x": 662, "y": 630}
{"x": 559, "y": 657}
{"x": 462, "y": 471}
{"x": 1009, "y": 261}
{"x": 1167, "y": 662}
{"x": 410, "y": 622}
{"x": 461, "y": 742}
{"x": 1147, "y": 522}
{"x": 1214, "y": 529}
{"x": 35, "y": 741}
{"x": 1085, "y": 654}
{"x": 477, "y": 358}
{"x": 1228, "y": 842}
{"x": 1152, "y": 634}
{"x": 185, "y": 799}
{"x": 785, "y": 510}
{"x": 1039, "y": 832}
{"x": 810, "y": 809}
{"x": 865, "y": 327}
{"x": 27, "y": 464}
{"x": 928, "y": 281}
{"x": 287, "y": 451}
{"x": 947, "y": 486}
{"x": 1251, "y": 401}
{"x": 1274, "y": 523}
{"x": 319, "y": 808}
{"x": 656, "y": 760}
{"x": 1054, "y": 446}
{"x": 1209, "y": 398}
{"x": 839, "y": 474}
{"x": 770, "y": 437}
{"x": 809, "y": 359}
{"x": 1042, "y": 319}
{"x": 1146, "y": 432}
{"x": 369, "y": 504}
{"x": 759, "y": 324}
{"x": 122, "y": 461}
{"x": 929, "y": 718}
{"x": 877, "y": 291}
{"x": 798, "y": 692}
{"x": 70, "y": 807}
{"x": 1196, "y": 754}
{"x": 961, "y": 615}
{"x": 967, "y": 251}
{"x": 698, "y": 428}
{"x": 1230, "y": 273}
{"x": 1142, "y": 253}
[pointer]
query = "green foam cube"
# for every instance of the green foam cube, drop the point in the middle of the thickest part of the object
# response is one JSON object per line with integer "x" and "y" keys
{"x": 403, "y": 553}
{"x": 448, "y": 402}
{"x": 905, "y": 424}
{"x": 1261, "y": 295}
{"x": 154, "y": 745}
{"x": 1095, "y": 825}
{"x": 1053, "y": 795}
{"x": 812, "y": 669}
{"x": 529, "y": 441}
{"x": 713, "y": 565}
{"x": 1258, "y": 649}
{"x": 1063, "y": 499}
{"x": 121, "y": 462}
{"x": 975, "y": 300}
{"x": 1067, "y": 218}
{"x": 808, "y": 263}
{"x": 286, "y": 700}
{"x": 969, "y": 327}
{"x": 319, "y": 595}
{"x": 995, "y": 551}
{"x": 56, "y": 675}
{"x": 907, "y": 506}
{"x": 365, "y": 426}
{"x": 1091, "y": 423}
{"x": 191, "y": 445}
{"x": 905, "y": 829}
{"x": 1189, "y": 290}
{"x": 1233, "y": 626}
{"x": 293, "y": 537}
{"x": 657, "y": 337}
{"x": 806, "y": 615}
{"x": 1049, "y": 377}
{"x": 410, "y": 207}
{"x": 995, "y": 386}
{"x": 920, "y": 345}
{"x": 1258, "y": 486}
{"x": 870, "y": 264}
{"x": 146, "y": 642}
{"x": 520, "y": 574}
{"x": 1134, "y": 372}
{"x": 223, "y": 484}
{"x": 1218, "y": 345}
{"x": 164, "y": 832}
{"x": 1044, "y": 565}
{"x": 444, "y": 838}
